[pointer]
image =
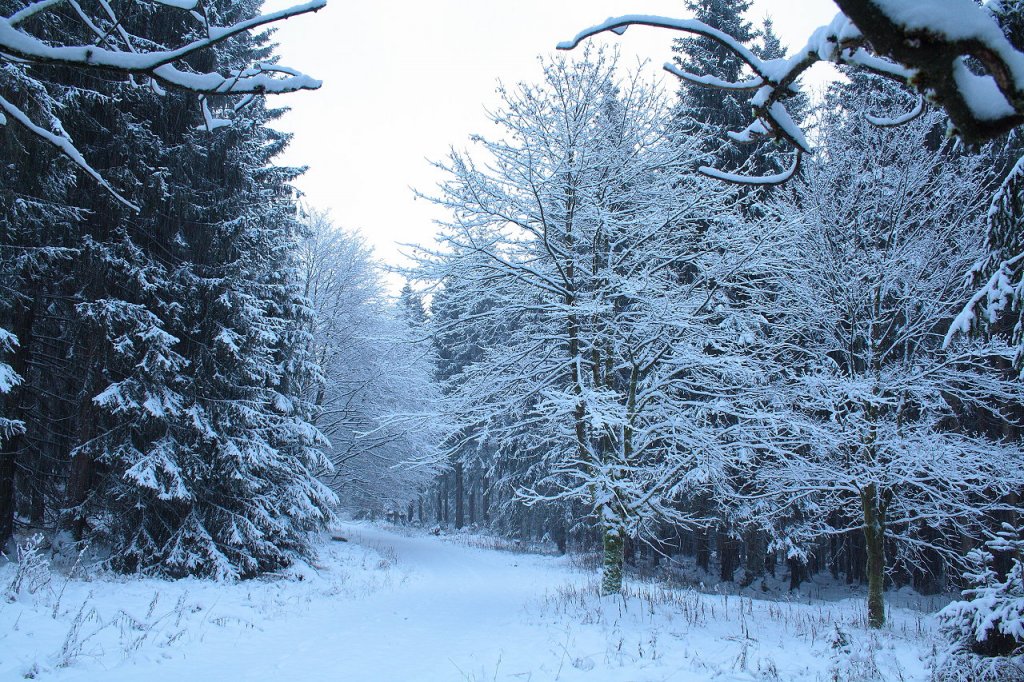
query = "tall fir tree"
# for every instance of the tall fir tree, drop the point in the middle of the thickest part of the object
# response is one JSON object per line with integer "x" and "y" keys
{"x": 705, "y": 112}
{"x": 164, "y": 350}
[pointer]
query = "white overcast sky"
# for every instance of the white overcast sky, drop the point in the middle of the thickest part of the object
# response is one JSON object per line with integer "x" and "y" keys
{"x": 405, "y": 80}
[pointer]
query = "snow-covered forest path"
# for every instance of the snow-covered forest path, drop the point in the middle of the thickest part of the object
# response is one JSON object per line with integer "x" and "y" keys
{"x": 453, "y": 608}
{"x": 391, "y": 606}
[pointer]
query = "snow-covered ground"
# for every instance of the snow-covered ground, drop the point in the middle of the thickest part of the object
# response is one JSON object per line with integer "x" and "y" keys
{"x": 390, "y": 605}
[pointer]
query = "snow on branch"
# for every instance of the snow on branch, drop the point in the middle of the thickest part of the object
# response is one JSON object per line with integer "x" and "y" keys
{"x": 133, "y": 56}
{"x": 921, "y": 43}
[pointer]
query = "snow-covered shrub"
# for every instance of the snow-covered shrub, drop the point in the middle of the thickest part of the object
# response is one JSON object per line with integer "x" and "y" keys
{"x": 986, "y": 628}
{"x": 33, "y": 571}
{"x": 853, "y": 659}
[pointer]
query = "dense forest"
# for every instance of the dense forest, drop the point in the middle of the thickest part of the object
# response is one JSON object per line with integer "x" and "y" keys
{"x": 608, "y": 348}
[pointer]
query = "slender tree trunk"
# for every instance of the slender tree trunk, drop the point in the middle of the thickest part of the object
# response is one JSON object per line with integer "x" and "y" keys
{"x": 728, "y": 553}
{"x": 11, "y": 405}
{"x": 472, "y": 500}
{"x": 485, "y": 501}
{"x": 614, "y": 541}
{"x": 874, "y": 542}
{"x": 445, "y": 502}
{"x": 6, "y": 497}
{"x": 703, "y": 547}
{"x": 80, "y": 475}
{"x": 460, "y": 516}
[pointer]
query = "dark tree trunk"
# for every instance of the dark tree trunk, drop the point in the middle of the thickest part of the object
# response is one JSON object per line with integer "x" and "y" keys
{"x": 6, "y": 496}
{"x": 703, "y": 549}
{"x": 796, "y": 573}
{"x": 460, "y": 516}
{"x": 874, "y": 506}
{"x": 834, "y": 555}
{"x": 485, "y": 500}
{"x": 754, "y": 542}
{"x": 445, "y": 491}
{"x": 728, "y": 554}
{"x": 11, "y": 405}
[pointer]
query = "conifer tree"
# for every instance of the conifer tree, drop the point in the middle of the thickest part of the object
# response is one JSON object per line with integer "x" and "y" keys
{"x": 165, "y": 348}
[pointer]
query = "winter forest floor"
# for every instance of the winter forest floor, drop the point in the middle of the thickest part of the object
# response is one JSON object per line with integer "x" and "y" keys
{"x": 391, "y": 605}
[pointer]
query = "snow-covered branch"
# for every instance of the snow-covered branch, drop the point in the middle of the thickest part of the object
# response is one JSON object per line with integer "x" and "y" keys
{"x": 26, "y": 41}
{"x": 925, "y": 44}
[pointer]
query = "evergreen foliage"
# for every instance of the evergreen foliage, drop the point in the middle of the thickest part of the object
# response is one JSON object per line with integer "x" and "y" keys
{"x": 163, "y": 350}
{"x": 986, "y": 628}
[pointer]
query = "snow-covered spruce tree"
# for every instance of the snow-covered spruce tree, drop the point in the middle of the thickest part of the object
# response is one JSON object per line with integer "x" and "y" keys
{"x": 703, "y": 111}
{"x": 986, "y": 628}
{"x": 166, "y": 360}
{"x": 602, "y": 257}
{"x": 34, "y": 229}
{"x": 888, "y": 428}
{"x": 244, "y": 321}
{"x": 377, "y": 398}
{"x": 996, "y": 305}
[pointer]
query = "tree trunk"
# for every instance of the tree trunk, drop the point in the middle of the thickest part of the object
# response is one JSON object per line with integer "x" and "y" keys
{"x": 80, "y": 474}
{"x": 796, "y": 573}
{"x": 874, "y": 543}
{"x": 703, "y": 553}
{"x": 755, "y": 545}
{"x": 484, "y": 501}
{"x": 728, "y": 554}
{"x": 446, "y": 514}
{"x": 6, "y": 497}
{"x": 614, "y": 546}
{"x": 460, "y": 491}
{"x": 10, "y": 407}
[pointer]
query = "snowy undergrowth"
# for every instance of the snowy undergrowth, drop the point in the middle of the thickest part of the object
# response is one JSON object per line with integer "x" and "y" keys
{"x": 402, "y": 606}
{"x": 56, "y": 623}
{"x": 688, "y": 635}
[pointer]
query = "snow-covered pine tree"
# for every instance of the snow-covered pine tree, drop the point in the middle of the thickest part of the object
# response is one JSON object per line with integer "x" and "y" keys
{"x": 164, "y": 359}
{"x": 703, "y": 112}
{"x": 244, "y": 319}
{"x": 706, "y": 111}
{"x": 986, "y": 628}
